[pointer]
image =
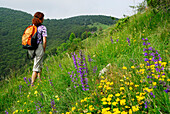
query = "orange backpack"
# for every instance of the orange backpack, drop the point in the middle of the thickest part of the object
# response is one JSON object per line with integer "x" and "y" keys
{"x": 29, "y": 38}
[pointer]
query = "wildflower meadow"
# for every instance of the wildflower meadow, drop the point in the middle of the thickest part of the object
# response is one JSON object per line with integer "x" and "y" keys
{"x": 121, "y": 70}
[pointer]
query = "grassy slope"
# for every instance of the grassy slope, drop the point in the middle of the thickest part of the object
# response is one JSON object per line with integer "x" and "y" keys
{"x": 102, "y": 52}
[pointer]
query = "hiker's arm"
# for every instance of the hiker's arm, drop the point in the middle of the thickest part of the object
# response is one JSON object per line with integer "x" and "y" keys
{"x": 44, "y": 43}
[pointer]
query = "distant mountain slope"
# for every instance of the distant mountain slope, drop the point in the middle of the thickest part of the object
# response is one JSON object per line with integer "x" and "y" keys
{"x": 13, "y": 24}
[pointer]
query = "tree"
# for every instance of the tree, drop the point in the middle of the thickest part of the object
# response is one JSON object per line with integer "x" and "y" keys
{"x": 72, "y": 36}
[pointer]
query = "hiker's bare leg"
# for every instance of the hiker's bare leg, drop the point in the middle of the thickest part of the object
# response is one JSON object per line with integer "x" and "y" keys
{"x": 34, "y": 76}
{"x": 39, "y": 76}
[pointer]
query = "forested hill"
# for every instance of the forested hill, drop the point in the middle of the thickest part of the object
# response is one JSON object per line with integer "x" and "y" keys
{"x": 14, "y": 22}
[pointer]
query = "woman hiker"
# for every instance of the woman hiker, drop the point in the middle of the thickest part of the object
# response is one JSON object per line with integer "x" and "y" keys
{"x": 41, "y": 41}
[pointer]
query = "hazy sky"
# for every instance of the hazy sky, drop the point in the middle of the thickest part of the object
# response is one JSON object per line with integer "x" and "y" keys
{"x": 57, "y": 9}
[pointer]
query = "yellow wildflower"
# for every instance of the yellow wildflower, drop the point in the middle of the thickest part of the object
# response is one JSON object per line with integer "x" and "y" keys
{"x": 91, "y": 108}
{"x": 117, "y": 99}
{"x": 117, "y": 95}
{"x": 124, "y": 67}
{"x": 127, "y": 83}
{"x": 136, "y": 85}
{"x": 108, "y": 83}
{"x": 56, "y": 96}
{"x": 25, "y": 103}
{"x": 163, "y": 76}
{"x": 114, "y": 103}
{"x": 168, "y": 80}
{"x": 130, "y": 111}
{"x": 110, "y": 95}
{"x": 123, "y": 112}
{"x": 104, "y": 103}
{"x": 127, "y": 107}
{"x": 102, "y": 77}
{"x": 99, "y": 86}
{"x": 73, "y": 108}
{"x": 121, "y": 80}
{"x": 108, "y": 88}
{"x": 131, "y": 83}
{"x": 163, "y": 64}
{"x": 109, "y": 99}
{"x": 130, "y": 88}
{"x": 116, "y": 110}
{"x": 50, "y": 112}
{"x": 102, "y": 81}
{"x": 122, "y": 88}
{"x": 35, "y": 92}
{"x": 132, "y": 67}
{"x": 104, "y": 99}
{"x": 111, "y": 83}
{"x": 123, "y": 102}
{"x": 141, "y": 65}
{"x": 82, "y": 101}
{"x": 154, "y": 83}
{"x": 135, "y": 108}
{"x": 109, "y": 103}
{"x": 142, "y": 71}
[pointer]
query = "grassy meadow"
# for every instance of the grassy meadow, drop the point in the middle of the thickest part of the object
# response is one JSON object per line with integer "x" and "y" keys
{"x": 124, "y": 69}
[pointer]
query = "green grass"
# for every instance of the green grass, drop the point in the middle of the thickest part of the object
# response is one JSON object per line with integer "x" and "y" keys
{"x": 121, "y": 89}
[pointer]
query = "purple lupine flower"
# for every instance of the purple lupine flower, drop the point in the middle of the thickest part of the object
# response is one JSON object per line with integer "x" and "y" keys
{"x": 6, "y": 112}
{"x": 117, "y": 40}
{"x": 151, "y": 93}
{"x": 111, "y": 39}
{"x": 145, "y": 54}
{"x": 128, "y": 41}
{"x": 144, "y": 43}
{"x": 29, "y": 79}
{"x": 25, "y": 79}
{"x": 145, "y": 39}
{"x": 148, "y": 64}
{"x": 146, "y": 59}
{"x": 53, "y": 106}
{"x": 60, "y": 66}
{"x": 74, "y": 59}
{"x": 150, "y": 48}
{"x": 42, "y": 95}
{"x": 167, "y": 90}
{"x": 146, "y": 105}
{"x": 82, "y": 73}
{"x": 51, "y": 82}
{"x": 145, "y": 49}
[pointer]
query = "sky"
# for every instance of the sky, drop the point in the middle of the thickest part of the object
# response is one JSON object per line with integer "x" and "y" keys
{"x": 60, "y": 9}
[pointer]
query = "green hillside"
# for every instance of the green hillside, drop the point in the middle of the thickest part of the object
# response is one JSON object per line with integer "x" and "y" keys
{"x": 123, "y": 69}
{"x": 13, "y": 24}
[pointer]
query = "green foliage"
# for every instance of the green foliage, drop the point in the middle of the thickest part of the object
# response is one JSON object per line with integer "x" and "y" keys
{"x": 85, "y": 35}
{"x": 72, "y": 36}
{"x": 163, "y": 4}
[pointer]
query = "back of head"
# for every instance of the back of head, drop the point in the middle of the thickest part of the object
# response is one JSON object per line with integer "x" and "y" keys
{"x": 38, "y": 18}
